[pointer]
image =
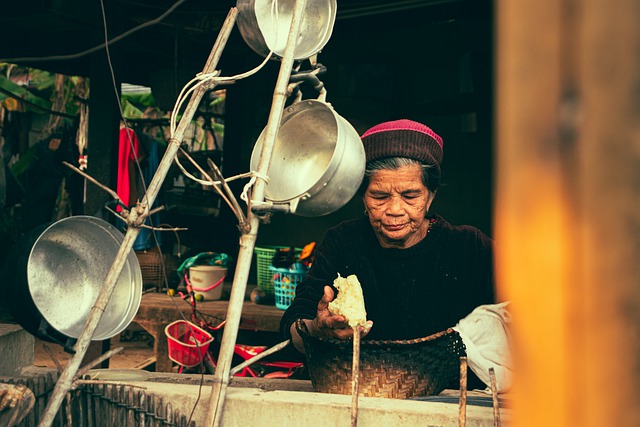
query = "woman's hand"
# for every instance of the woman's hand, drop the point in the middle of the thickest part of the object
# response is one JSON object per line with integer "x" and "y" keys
{"x": 327, "y": 325}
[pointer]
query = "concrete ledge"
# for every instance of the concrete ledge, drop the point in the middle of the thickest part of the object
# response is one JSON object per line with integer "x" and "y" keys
{"x": 17, "y": 349}
{"x": 248, "y": 406}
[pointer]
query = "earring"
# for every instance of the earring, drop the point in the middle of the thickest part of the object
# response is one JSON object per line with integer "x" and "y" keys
{"x": 366, "y": 212}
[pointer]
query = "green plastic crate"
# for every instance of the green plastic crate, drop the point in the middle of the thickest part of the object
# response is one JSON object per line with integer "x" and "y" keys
{"x": 264, "y": 255}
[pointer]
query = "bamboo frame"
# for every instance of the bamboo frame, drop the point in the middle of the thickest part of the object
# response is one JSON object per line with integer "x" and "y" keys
{"x": 136, "y": 217}
{"x": 248, "y": 239}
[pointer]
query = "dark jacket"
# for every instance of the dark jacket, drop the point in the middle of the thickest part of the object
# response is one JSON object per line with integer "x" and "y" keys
{"x": 409, "y": 293}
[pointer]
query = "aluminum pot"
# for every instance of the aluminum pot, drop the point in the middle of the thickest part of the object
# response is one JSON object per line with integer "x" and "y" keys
{"x": 264, "y": 25}
{"x": 54, "y": 275}
{"x": 317, "y": 162}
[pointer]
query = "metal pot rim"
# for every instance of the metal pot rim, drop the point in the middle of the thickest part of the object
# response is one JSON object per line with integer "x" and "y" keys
{"x": 103, "y": 230}
{"x": 290, "y": 114}
{"x": 251, "y": 26}
{"x": 300, "y": 198}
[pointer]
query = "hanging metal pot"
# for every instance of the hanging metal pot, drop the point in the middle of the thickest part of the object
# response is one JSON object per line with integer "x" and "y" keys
{"x": 317, "y": 162}
{"x": 54, "y": 275}
{"x": 264, "y": 25}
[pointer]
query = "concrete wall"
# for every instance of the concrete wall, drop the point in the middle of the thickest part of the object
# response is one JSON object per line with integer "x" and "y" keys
{"x": 16, "y": 346}
{"x": 260, "y": 402}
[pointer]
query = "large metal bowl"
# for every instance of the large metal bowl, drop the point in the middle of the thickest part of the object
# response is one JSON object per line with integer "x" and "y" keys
{"x": 66, "y": 268}
{"x": 265, "y": 28}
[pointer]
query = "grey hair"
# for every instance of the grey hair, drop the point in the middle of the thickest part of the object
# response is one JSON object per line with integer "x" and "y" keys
{"x": 430, "y": 173}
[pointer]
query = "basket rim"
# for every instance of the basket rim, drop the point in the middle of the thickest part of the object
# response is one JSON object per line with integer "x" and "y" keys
{"x": 273, "y": 248}
{"x": 288, "y": 270}
{"x": 194, "y": 326}
{"x": 302, "y": 329}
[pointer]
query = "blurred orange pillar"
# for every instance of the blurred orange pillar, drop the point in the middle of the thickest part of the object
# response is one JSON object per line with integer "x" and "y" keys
{"x": 567, "y": 222}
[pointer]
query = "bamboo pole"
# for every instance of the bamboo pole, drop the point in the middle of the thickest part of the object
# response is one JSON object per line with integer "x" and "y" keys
{"x": 259, "y": 356}
{"x": 355, "y": 376}
{"x": 65, "y": 382}
{"x": 494, "y": 398}
{"x": 248, "y": 239}
{"x": 462, "y": 403}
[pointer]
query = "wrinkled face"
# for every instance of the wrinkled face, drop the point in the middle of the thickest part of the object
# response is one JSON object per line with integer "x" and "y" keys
{"x": 397, "y": 202}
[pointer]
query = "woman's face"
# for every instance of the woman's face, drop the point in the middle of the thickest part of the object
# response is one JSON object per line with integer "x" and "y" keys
{"x": 397, "y": 202}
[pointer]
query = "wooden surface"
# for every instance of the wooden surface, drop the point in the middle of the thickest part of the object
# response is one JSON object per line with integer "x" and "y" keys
{"x": 157, "y": 310}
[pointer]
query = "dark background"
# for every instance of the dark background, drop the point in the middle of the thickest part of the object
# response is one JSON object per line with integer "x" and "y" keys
{"x": 430, "y": 61}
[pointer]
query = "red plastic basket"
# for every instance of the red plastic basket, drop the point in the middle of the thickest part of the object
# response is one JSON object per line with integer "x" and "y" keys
{"x": 187, "y": 343}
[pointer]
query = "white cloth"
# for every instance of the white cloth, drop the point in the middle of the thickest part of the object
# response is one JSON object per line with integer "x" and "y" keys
{"x": 485, "y": 335}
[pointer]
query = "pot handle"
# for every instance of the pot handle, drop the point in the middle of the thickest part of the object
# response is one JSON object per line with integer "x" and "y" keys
{"x": 268, "y": 206}
{"x": 311, "y": 76}
{"x": 289, "y": 206}
{"x": 46, "y": 332}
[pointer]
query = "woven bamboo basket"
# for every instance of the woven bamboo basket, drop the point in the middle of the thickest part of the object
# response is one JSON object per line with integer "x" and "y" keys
{"x": 155, "y": 266}
{"x": 398, "y": 369}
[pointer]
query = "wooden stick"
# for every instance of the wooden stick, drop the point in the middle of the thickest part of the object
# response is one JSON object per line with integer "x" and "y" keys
{"x": 98, "y": 360}
{"x": 494, "y": 396}
{"x": 235, "y": 206}
{"x": 462, "y": 413}
{"x": 67, "y": 400}
{"x": 95, "y": 181}
{"x": 355, "y": 376}
{"x": 106, "y": 382}
{"x": 259, "y": 356}
{"x": 53, "y": 358}
{"x": 209, "y": 179}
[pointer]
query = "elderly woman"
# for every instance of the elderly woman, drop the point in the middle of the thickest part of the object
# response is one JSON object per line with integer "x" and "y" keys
{"x": 419, "y": 273}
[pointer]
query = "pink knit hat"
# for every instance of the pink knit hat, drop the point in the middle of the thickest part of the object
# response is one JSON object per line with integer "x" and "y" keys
{"x": 403, "y": 138}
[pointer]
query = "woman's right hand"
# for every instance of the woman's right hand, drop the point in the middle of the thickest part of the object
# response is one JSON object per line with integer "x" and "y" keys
{"x": 327, "y": 325}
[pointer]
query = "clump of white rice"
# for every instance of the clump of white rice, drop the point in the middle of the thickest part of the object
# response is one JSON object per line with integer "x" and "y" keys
{"x": 350, "y": 301}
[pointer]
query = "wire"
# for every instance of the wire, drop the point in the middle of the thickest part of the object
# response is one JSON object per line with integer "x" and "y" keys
{"x": 201, "y": 365}
{"x": 208, "y": 79}
{"x": 195, "y": 405}
{"x": 103, "y": 45}
{"x": 388, "y": 7}
{"x": 197, "y": 82}
{"x": 128, "y": 130}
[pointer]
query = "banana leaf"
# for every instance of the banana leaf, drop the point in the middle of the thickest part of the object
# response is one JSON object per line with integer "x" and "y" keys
{"x": 9, "y": 89}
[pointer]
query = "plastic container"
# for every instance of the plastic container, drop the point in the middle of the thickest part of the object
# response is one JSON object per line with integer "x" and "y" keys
{"x": 264, "y": 255}
{"x": 207, "y": 280}
{"x": 285, "y": 282}
{"x": 187, "y": 343}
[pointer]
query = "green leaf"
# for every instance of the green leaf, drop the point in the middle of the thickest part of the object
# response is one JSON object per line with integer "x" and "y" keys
{"x": 21, "y": 92}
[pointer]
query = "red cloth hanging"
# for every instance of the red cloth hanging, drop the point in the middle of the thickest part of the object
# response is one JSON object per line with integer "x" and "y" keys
{"x": 128, "y": 151}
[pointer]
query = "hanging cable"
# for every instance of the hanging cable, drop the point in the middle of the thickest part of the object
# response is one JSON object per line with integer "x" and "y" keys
{"x": 96, "y": 48}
